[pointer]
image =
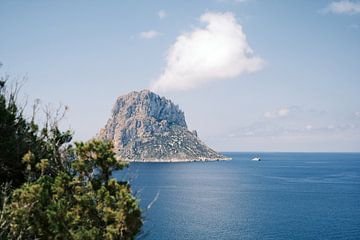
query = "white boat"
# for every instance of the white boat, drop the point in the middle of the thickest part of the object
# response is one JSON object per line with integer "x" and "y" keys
{"x": 256, "y": 159}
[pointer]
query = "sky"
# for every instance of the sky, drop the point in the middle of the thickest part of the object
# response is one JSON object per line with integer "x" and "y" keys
{"x": 250, "y": 75}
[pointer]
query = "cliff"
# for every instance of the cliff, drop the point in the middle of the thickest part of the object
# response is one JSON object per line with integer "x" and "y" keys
{"x": 146, "y": 127}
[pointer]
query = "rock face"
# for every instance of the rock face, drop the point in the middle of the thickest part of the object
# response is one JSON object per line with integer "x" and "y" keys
{"x": 147, "y": 127}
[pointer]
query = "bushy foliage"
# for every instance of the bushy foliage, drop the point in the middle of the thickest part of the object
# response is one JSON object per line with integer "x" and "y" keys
{"x": 17, "y": 137}
{"x": 68, "y": 191}
{"x": 83, "y": 203}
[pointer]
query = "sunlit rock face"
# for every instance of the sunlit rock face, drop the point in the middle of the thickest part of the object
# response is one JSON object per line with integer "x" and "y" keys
{"x": 146, "y": 127}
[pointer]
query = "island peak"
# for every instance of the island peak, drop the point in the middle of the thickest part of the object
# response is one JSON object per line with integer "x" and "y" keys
{"x": 146, "y": 127}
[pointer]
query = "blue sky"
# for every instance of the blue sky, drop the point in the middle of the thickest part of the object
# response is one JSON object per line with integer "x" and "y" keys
{"x": 301, "y": 95}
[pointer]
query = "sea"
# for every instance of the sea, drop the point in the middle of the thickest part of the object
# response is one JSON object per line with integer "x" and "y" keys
{"x": 283, "y": 196}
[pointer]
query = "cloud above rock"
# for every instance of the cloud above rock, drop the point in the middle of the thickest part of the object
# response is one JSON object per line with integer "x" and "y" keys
{"x": 218, "y": 51}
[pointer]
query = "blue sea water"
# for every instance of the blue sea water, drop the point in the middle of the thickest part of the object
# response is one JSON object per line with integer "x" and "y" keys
{"x": 284, "y": 196}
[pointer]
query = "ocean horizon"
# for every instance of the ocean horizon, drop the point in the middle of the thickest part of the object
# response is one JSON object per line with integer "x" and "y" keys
{"x": 284, "y": 196}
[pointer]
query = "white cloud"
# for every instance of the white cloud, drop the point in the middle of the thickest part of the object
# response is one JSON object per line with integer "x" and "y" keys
{"x": 343, "y": 7}
{"x": 281, "y": 112}
{"x": 162, "y": 14}
{"x": 309, "y": 127}
{"x": 149, "y": 34}
{"x": 218, "y": 51}
{"x": 357, "y": 114}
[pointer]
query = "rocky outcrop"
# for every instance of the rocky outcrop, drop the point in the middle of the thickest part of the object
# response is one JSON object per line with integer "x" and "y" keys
{"x": 146, "y": 127}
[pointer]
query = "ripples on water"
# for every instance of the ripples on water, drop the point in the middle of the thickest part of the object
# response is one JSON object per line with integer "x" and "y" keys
{"x": 285, "y": 196}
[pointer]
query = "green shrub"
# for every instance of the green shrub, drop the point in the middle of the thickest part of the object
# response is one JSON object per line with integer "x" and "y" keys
{"x": 63, "y": 191}
{"x": 83, "y": 203}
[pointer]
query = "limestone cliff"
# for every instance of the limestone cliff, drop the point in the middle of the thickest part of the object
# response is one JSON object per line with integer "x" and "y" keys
{"x": 146, "y": 127}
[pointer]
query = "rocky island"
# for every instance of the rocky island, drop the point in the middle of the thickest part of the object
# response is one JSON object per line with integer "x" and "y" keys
{"x": 146, "y": 127}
